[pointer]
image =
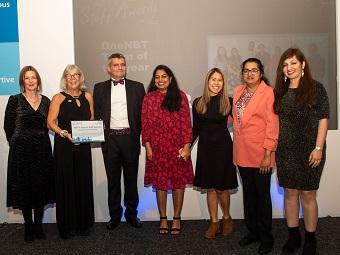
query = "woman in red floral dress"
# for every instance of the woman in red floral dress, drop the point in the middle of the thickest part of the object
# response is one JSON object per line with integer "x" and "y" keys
{"x": 166, "y": 135}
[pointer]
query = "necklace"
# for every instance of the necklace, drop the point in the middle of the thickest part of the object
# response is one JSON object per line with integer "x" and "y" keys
{"x": 74, "y": 96}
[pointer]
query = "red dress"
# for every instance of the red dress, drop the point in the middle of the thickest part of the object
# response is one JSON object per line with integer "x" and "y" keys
{"x": 167, "y": 133}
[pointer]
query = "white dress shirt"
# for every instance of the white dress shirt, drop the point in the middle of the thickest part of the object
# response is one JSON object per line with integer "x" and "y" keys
{"x": 119, "y": 115}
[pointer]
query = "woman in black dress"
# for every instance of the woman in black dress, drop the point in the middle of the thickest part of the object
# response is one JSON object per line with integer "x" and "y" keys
{"x": 30, "y": 164}
{"x": 215, "y": 170}
{"x": 303, "y": 109}
{"x": 74, "y": 187}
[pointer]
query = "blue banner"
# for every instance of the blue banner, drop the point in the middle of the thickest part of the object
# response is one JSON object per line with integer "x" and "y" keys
{"x": 9, "y": 48}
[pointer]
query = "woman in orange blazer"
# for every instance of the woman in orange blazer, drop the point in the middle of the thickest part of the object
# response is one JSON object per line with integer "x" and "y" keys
{"x": 255, "y": 141}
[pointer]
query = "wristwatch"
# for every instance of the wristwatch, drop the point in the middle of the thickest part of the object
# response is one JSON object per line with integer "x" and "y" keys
{"x": 318, "y": 148}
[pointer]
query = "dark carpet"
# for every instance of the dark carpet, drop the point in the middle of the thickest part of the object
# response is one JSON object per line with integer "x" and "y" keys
{"x": 127, "y": 240}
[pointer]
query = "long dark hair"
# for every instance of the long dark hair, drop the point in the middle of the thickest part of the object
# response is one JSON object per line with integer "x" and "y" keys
{"x": 259, "y": 66}
{"x": 305, "y": 92}
{"x": 172, "y": 100}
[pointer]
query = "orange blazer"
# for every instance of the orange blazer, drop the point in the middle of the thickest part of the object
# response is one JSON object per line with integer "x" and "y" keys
{"x": 259, "y": 127}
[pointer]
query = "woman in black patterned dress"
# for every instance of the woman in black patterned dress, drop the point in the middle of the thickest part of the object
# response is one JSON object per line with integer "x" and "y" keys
{"x": 74, "y": 187}
{"x": 30, "y": 176}
{"x": 303, "y": 109}
{"x": 215, "y": 170}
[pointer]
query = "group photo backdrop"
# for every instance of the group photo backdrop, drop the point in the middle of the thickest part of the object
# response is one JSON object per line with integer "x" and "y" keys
{"x": 188, "y": 37}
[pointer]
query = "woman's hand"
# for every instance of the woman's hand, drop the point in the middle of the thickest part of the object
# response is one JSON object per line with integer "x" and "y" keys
{"x": 265, "y": 163}
{"x": 148, "y": 150}
{"x": 184, "y": 152}
{"x": 69, "y": 137}
{"x": 65, "y": 134}
{"x": 315, "y": 158}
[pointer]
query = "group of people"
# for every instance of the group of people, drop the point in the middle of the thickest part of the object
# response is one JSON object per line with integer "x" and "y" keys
{"x": 284, "y": 126}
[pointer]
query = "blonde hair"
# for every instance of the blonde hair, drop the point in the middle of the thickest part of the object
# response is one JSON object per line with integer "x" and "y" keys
{"x": 201, "y": 105}
{"x": 68, "y": 68}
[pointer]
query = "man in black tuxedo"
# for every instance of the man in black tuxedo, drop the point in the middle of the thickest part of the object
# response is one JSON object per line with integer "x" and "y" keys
{"x": 118, "y": 102}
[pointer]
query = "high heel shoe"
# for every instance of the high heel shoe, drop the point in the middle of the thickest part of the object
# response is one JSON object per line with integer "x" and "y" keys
{"x": 162, "y": 230}
{"x": 175, "y": 231}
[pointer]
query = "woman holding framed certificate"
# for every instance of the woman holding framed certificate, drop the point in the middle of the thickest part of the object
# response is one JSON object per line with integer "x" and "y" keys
{"x": 74, "y": 188}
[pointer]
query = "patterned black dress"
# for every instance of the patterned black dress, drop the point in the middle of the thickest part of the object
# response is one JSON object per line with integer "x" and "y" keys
{"x": 214, "y": 163}
{"x": 30, "y": 174}
{"x": 297, "y": 136}
{"x": 74, "y": 187}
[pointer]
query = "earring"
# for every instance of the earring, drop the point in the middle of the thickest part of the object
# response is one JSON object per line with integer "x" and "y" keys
{"x": 302, "y": 73}
{"x": 285, "y": 78}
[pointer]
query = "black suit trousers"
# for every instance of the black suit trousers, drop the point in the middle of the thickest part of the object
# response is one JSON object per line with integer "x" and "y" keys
{"x": 257, "y": 203}
{"x": 121, "y": 153}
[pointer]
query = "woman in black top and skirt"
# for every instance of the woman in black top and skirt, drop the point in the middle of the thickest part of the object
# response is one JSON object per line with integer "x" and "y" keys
{"x": 215, "y": 170}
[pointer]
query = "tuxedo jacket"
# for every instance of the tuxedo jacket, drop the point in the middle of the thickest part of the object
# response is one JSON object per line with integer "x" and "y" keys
{"x": 134, "y": 99}
{"x": 259, "y": 127}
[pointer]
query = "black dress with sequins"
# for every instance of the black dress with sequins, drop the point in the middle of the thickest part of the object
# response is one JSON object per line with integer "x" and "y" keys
{"x": 297, "y": 137}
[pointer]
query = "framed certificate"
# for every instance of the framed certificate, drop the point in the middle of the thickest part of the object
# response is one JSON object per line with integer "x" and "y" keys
{"x": 87, "y": 131}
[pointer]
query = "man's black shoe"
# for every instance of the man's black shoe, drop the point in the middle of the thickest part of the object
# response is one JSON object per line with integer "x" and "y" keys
{"x": 112, "y": 224}
{"x": 135, "y": 222}
{"x": 264, "y": 249}
{"x": 248, "y": 240}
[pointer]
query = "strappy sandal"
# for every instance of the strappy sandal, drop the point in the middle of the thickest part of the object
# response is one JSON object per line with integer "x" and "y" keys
{"x": 175, "y": 231}
{"x": 163, "y": 231}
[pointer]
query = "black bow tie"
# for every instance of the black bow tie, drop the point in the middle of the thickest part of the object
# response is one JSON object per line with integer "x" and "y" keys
{"x": 116, "y": 82}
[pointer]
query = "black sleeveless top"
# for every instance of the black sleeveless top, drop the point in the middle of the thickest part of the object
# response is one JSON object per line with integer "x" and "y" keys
{"x": 69, "y": 110}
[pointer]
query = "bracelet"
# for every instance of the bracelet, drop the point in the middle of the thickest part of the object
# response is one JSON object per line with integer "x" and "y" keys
{"x": 318, "y": 148}
{"x": 62, "y": 133}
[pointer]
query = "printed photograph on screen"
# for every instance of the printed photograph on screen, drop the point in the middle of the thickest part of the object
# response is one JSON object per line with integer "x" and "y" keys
{"x": 228, "y": 51}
